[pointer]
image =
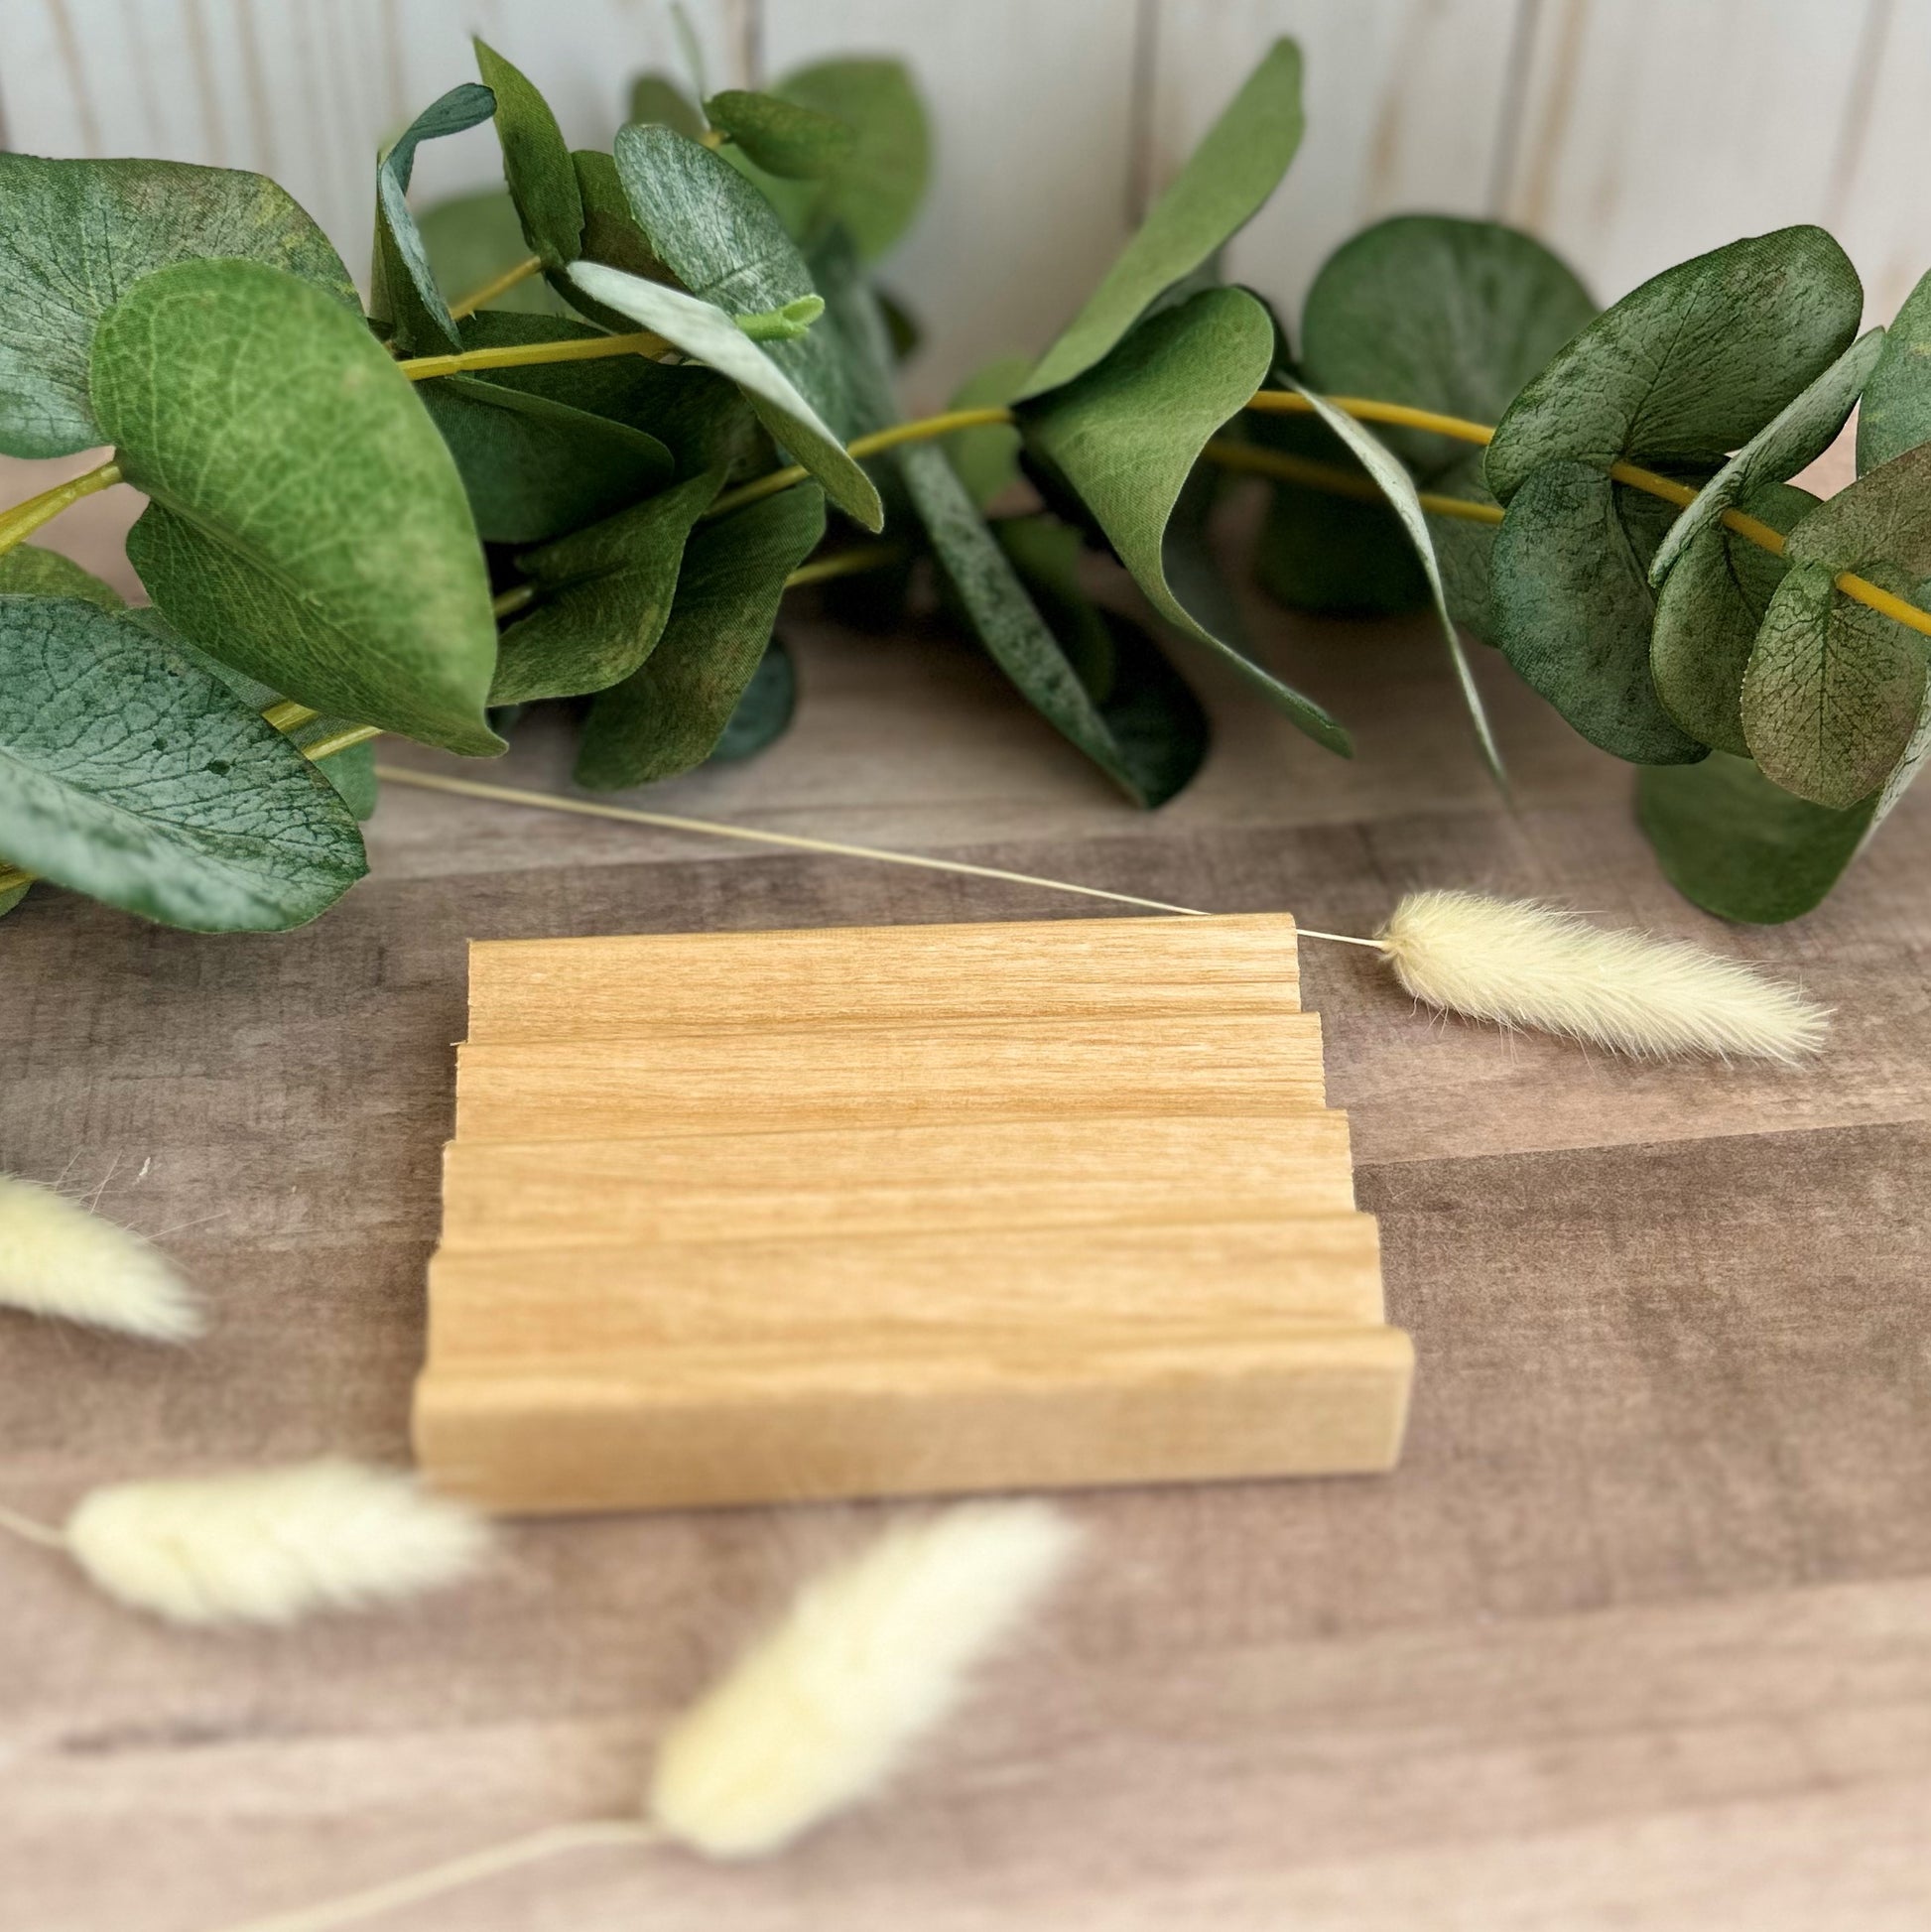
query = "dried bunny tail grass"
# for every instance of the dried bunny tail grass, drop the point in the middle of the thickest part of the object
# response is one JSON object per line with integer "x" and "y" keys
{"x": 1526, "y": 965}
{"x": 871, "y": 1656}
{"x": 56, "y": 1258}
{"x": 268, "y": 1546}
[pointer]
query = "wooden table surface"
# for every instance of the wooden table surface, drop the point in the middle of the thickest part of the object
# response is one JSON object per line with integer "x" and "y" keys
{"x": 1639, "y": 1635}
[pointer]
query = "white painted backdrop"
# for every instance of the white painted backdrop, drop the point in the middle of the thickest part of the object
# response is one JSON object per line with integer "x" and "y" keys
{"x": 1628, "y": 133}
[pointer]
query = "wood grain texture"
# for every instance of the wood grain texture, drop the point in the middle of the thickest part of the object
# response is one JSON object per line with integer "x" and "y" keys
{"x": 888, "y": 1180}
{"x": 753, "y": 1078}
{"x": 917, "y": 1416}
{"x": 630, "y": 987}
{"x": 941, "y": 1285}
{"x": 1636, "y": 1641}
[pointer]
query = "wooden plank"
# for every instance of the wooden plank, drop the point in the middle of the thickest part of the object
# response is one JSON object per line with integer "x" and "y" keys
{"x": 888, "y": 1180}
{"x": 516, "y": 1311}
{"x": 1031, "y": 104}
{"x": 1652, "y": 131}
{"x": 852, "y": 1074}
{"x": 678, "y": 1429}
{"x": 633, "y": 987}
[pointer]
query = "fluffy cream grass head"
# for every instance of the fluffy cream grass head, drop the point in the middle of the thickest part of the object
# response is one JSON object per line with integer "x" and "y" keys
{"x": 871, "y": 1656}
{"x": 55, "y": 1258}
{"x": 1523, "y": 964}
{"x": 268, "y": 1546}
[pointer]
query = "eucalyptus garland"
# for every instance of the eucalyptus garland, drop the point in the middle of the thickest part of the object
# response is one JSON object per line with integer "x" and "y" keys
{"x": 593, "y": 429}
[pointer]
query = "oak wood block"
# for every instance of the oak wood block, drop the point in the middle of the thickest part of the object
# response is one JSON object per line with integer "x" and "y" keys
{"x": 745, "y": 1078}
{"x": 733, "y": 1186}
{"x": 906, "y": 1414}
{"x": 630, "y": 987}
{"x": 491, "y": 1309}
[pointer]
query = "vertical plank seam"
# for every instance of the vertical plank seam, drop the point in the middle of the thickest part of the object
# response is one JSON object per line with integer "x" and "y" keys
{"x": 1852, "y": 128}
{"x": 1139, "y": 111}
{"x": 1528, "y": 197}
{"x": 1512, "y": 105}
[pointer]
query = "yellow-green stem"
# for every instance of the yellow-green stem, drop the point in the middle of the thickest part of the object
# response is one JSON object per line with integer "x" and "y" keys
{"x": 20, "y": 523}
{"x": 1246, "y": 457}
{"x": 500, "y": 284}
{"x": 923, "y": 430}
{"x": 520, "y": 355}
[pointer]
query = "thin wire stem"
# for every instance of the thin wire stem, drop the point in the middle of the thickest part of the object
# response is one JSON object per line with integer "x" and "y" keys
{"x": 353, "y": 1907}
{"x": 790, "y": 841}
{"x": 31, "y": 1531}
{"x": 20, "y": 523}
{"x": 551, "y": 802}
{"x": 500, "y": 284}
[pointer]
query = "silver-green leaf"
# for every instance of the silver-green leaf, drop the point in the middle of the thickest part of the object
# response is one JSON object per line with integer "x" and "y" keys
{"x": 1238, "y": 165}
{"x": 1690, "y": 366}
{"x": 246, "y": 404}
{"x": 702, "y": 329}
{"x": 1126, "y": 434}
{"x": 76, "y": 235}
{"x": 132, "y": 775}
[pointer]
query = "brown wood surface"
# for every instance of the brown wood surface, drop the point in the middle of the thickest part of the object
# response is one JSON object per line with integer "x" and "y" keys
{"x": 1638, "y": 1635}
{"x": 747, "y": 1079}
{"x": 499, "y": 1195}
{"x": 631, "y": 987}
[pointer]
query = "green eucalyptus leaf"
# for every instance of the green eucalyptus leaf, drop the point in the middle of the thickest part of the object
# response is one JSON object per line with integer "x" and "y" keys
{"x": 128, "y": 773}
{"x": 1229, "y": 174}
{"x": 1150, "y": 713}
{"x": 1395, "y": 484}
{"x": 1883, "y": 517}
{"x": 11, "y": 896}
{"x": 707, "y": 333}
{"x": 472, "y": 239}
{"x": 1742, "y": 847}
{"x": 1323, "y": 551}
{"x": 535, "y": 162}
{"x": 1707, "y": 614}
{"x": 697, "y": 415}
{"x": 1573, "y": 607}
{"x": 1833, "y": 690}
{"x": 1126, "y": 434}
{"x": 669, "y": 714}
{"x": 1441, "y": 313}
{"x": 722, "y": 240}
{"x": 351, "y": 771}
{"x": 1690, "y": 366}
{"x": 901, "y": 326}
{"x": 657, "y": 97}
{"x": 987, "y": 460}
{"x": 405, "y": 302}
{"x": 1464, "y": 550}
{"x": 764, "y": 711}
{"x": 874, "y": 189}
{"x": 533, "y": 468}
{"x": 605, "y": 593}
{"x": 76, "y": 235}
{"x": 31, "y": 571}
{"x": 1796, "y": 435}
{"x": 1895, "y": 414}
{"x": 247, "y": 403}
{"x": 784, "y": 139}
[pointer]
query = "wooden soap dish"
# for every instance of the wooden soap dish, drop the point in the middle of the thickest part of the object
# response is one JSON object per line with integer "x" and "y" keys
{"x": 764, "y": 1216}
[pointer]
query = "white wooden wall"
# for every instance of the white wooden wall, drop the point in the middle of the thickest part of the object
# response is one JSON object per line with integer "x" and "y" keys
{"x": 1628, "y": 133}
